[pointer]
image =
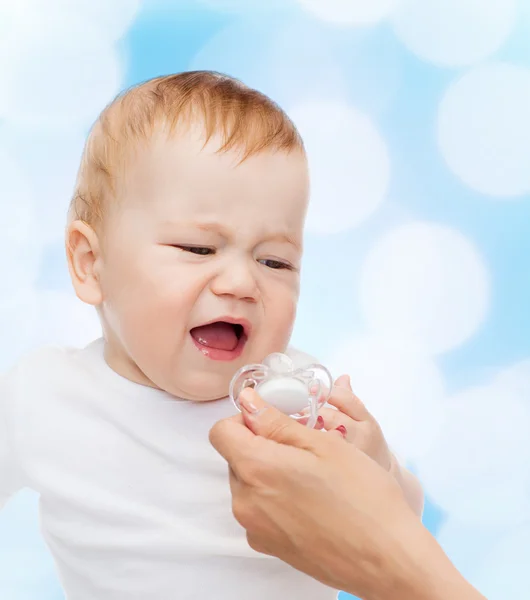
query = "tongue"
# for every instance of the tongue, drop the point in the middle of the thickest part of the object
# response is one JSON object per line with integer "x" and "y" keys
{"x": 220, "y": 336}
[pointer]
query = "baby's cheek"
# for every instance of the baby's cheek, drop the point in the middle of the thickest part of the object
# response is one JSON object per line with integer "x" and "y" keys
{"x": 281, "y": 319}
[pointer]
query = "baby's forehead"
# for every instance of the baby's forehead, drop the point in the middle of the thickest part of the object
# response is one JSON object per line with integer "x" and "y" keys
{"x": 201, "y": 180}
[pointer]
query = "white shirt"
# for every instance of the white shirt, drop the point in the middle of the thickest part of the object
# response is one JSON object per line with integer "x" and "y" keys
{"x": 134, "y": 502}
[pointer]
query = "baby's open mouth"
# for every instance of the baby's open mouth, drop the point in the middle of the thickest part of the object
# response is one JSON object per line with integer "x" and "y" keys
{"x": 220, "y": 335}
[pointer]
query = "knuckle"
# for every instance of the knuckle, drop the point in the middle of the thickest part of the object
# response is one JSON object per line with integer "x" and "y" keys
{"x": 218, "y": 431}
{"x": 213, "y": 434}
{"x": 278, "y": 429}
{"x": 253, "y": 470}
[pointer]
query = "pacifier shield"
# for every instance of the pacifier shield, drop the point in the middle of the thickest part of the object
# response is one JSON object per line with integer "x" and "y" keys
{"x": 297, "y": 392}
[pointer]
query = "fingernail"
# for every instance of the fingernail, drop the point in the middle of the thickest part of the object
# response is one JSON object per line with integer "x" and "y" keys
{"x": 319, "y": 423}
{"x": 342, "y": 430}
{"x": 248, "y": 402}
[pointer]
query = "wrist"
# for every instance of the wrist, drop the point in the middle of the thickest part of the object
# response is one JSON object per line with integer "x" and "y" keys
{"x": 409, "y": 485}
{"x": 418, "y": 569}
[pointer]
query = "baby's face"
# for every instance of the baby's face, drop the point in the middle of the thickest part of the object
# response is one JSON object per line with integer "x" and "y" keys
{"x": 201, "y": 265}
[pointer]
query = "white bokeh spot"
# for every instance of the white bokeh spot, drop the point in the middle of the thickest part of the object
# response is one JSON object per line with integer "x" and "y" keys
{"x": 76, "y": 74}
{"x": 50, "y": 163}
{"x": 32, "y": 318}
{"x": 18, "y": 318}
{"x": 454, "y": 33}
{"x": 484, "y": 129}
{"x": 241, "y": 5}
{"x": 401, "y": 388}
{"x": 478, "y": 469}
{"x": 8, "y": 16}
{"x": 111, "y": 19}
{"x": 426, "y": 284}
{"x": 349, "y": 12}
{"x": 65, "y": 320}
{"x": 280, "y": 63}
{"x": 20, "y": 249}
{"x": 349, "y": 165}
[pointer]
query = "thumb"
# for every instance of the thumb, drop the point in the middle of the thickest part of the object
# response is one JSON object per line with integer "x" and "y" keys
{"x": 343, "y": 381}
{"x": 268, "y": 422}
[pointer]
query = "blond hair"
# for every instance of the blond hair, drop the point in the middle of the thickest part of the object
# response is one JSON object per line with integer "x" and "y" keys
{"x": 244, "y": 118}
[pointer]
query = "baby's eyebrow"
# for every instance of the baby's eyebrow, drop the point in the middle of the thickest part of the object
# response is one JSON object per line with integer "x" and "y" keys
{"x": 214, "y": 227}
{"x": 205, "y": 226}
{"x": 285, "y": 237}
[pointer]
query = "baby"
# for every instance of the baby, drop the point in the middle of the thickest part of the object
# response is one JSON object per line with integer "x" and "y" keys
{"x": 185, "y": 232}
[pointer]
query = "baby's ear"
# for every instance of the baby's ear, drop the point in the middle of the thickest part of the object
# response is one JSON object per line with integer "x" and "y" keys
{"x": 83, "y": 255}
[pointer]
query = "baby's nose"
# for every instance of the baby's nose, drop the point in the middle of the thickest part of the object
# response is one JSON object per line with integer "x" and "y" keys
{"x": 237, "y": 280}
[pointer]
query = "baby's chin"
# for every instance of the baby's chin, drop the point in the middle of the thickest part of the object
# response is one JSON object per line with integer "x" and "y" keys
{"x": 215, "y": 389}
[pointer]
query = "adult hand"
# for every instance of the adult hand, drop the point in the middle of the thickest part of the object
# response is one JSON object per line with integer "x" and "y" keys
{"x": 329, "y": 510}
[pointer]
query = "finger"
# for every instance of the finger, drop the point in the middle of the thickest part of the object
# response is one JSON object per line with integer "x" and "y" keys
{"x": 343, "y": 398}
{"x": 319, "y": 425}
{"x": 344, "y": 381}
{"x": 334, "y": 418}
{"x": 336, "y": 426}
{"x": 270, "y": 423}
{"x": 339, "y": 432}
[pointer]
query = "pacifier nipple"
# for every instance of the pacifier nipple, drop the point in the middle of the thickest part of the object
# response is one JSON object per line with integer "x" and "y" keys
{"x": 284, "y": 393}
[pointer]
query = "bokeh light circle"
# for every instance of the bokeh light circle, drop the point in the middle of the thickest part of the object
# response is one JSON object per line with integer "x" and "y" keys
{"x": 349, "y": 12}
{"x": 427, "y": 284}
{"x": 478, "y": 469}
{"x": 349, "y": 165}
{"x": 77, "y": 73}
{"x": 111, "y": 19}
{"x": 32, "y": 318}
{"x": 279, "y": 60}
{"x": 19, "y": 313}
{"x": 454, "y": 33}
{"x": 65, "y": 320}
{"x": 483, "y": 129}
{"x": 50, "y": 162}
{"x": 19, "y": 244}
{"x": 8, "y": 16}
{"x": 401, "y": 388}
{"x": 245, "y": 6}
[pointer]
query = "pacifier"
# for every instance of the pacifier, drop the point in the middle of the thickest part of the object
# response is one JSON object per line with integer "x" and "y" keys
{"x": 299, "y": 393}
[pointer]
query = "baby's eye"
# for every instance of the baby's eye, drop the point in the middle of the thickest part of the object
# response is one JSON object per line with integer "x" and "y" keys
{"x": 275, "y": 264}
{"x": 197, "y": 250}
